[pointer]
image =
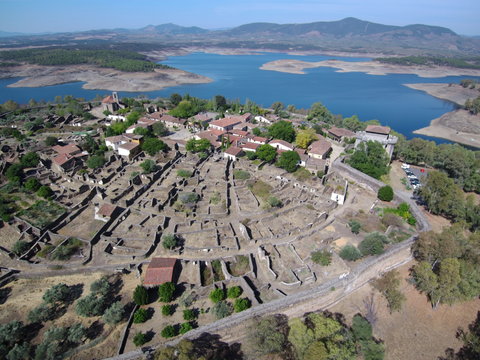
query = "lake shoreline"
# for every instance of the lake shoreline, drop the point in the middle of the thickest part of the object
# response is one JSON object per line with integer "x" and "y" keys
{"x": 369, "y": 67}
{"x": 96, "y": 78}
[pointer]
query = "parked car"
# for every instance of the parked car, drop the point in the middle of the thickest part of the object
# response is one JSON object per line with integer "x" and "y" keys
{"x": 405, "y": 166}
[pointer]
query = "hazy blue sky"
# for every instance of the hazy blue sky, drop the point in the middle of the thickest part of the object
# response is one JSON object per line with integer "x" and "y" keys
{"x": 72, "y": 15}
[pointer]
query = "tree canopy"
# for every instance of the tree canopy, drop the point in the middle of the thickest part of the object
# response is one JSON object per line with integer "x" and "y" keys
{"x": 288, "y": 160}
{"x": 371, "y": 159}
{"x": 282, "y": 130}
{"x": 266, "y": 152}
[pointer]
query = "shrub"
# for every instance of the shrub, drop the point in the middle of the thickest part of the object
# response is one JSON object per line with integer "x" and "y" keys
{"x": 188, "y": 197}
{"x": 148, "y": 166}
{"x": 51, "y": 141}
{"x": 114, "y": 314}
{"x": 217, "y": 295}
{"x": 221, "y": 309}
{"x": 96, "y": 161}
{"x": 166, "y": 291}
{"x": 320, "y": 173}
{"x": 385, "y": 193}
{"x": 184, "y": 173}
{"x": 44, "y": 191}
{"x": 153, "y": 145}
{"x": 168, "y": 331}
{"x": 189, "y": 314}
{"x": 101, "y": 286}
{"x": 140, "y": 316}
{"x": 185, "y": 327}
{"x": 32, "y": 184}
{"x": 167, "y": 310}
{"x": 350, "y": 253}
{"x": 321, "y": 257}
{"x": 169, "y": 241}
{"x": 30, "y": 159}
{"x": 241, "y": 304}
{"x": 20, "y": 247}
{"x": 361, "y": 328}
{"x": 241, "y": 174}
{"x": 274, "y": 202}
{"x": 140, "y": 295}
{"x": 234, "y": 292}
{"x": 371, "y": 246}
{"x": 139, "y": 339}
{"x": 390, "y": 219}
{"x": 355, "y": 226}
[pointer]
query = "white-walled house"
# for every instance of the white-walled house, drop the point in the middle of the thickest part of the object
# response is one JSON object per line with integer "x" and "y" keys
{"x": 281, "y": 145}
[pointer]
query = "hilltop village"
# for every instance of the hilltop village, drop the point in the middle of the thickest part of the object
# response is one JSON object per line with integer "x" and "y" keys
{"x": 212, "y": 210}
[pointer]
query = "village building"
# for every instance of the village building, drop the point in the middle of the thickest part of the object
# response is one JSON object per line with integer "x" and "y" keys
{"x": 214, "y": 136}
{"x": 111, "y": 103}
{"x": 339, "y": 134}
{"x": 250, "y": 146}
{"x": 233, "y": 153}
{"x": 319, "y": 149}
{"x": 105, "y": 212}
{"x": 257, "y": 139}
{"x": 281, "y": 145}
{"x": 172, "y": 121}
{"x": 262, "y": 119}
{"x": 303, "y": 157}
{"x": 160, "y": 271}
{"x": 225, "y": 124}
{"x": 129, "y": 149}
{"x": 126, "y": 145}
{"x": 379, "y": 134}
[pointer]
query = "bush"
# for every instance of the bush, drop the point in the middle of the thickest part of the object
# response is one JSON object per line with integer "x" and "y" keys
{"x": 184, "y": 173}
{"x": 188, "y": 197}
{"x": 385, "y": 193}
{"x": 114, "y": 314}
{"x": 241, "y": 304}
{"x": 20, "y": 247}
{"x": 371, "y": 246}
{"x": 101, "y": 286}
{"x": 166, "y": 291}
{"x": 45, "y": 192}
{"x": 168, "y": 331}
{"x": 185, "y": 327}
{"x": 320, "y": 173}
{"x": 217, "y": 295}
{"x": 361, "y": 328}
{"x": 169, "y": 241}
{"x": 32, "y": 184}
{"x": 57, "y": 293}
{"x": 355, "y": 226}
{"x": 234, "y": 292}
{"x": 274, "y": 202}
{"x": 51, "y": 141}
{"x": 390, "y": 219}
{"x": 140, "y": 316}
{"x": 189, "y": 314}
{"x": 350, "y": 253}
{"x": 322, "y": 257}
{"x": 140, "y": 295}
{"x": 241, "y": 174}
{"x": 41, "y": 313}
{"x": 153, "y": 145}
{"x": 148, "y": 166}
{"x": 139, "y": 339}
{"x": 167, "y": 310}
{"x": 96, "y": 161}
{"x": 30, "y": 159}
{"x": 221, "y": 309}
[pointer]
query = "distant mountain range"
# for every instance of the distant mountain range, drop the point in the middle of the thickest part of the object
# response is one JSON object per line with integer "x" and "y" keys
{"x": 349, "y": 34}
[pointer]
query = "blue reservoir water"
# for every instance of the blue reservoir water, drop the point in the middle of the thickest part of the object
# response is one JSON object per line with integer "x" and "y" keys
{"x": 239, "y": 77}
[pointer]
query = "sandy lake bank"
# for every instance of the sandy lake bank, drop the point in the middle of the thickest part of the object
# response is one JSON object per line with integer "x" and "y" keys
{"x": 450, "y": 92}
{"x": 369, "y": 67}
{"x": 458, "y": 126}
{"x": 100, "y": 78}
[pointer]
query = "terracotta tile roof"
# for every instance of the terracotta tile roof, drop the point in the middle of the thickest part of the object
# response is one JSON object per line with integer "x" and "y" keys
{"x": 319, "y": 147}
{"x": 172, "y": 119}
{"x": 67, "y": 149}
{"x": 62, "y": 159}
{"x": 377, "y": 129}
{"x": 233, "y": 150}
{"x": 339, "y": 132}
{"x": 129, "y": 146}
{"x": 109, "y": 100}
{"x": 240, "y": 133}
{"x": 159, "y": 271}
{"x": 225, "y": 122}
{"x": 107, "y": 210}
{"x": 250, "y": 145}
{"x": 259, "y": 139}
{"x": 282, "y": 142}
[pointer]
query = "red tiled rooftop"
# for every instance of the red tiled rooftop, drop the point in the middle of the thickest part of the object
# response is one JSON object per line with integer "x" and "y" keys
{"x": 282, "y": 142}
{"x": 250, "y": 145}
{"x": 233, "y": 150}
{"x": 109, "y": 100}
{"x": 67, "y": 149}
{"x": 378, "y": 129}
{"x": 61, "y": 159}
{"x": 319, "y": 147}
{"x": 339, "y": 132}
{"x": 129, "y": 145}
{"x": 226, "y": 122}
{"x": 159, "y": 271}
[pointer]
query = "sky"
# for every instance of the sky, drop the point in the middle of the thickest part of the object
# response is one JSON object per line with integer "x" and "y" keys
{"x": 39, "y": 16}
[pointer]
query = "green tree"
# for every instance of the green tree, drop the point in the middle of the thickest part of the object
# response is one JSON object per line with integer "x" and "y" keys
{"x": 51, "y": 141}
{"x": 322, "y": 257}
{"x": 19, "y": 352}
{"x": 361, "y": 328}
{"x": 385, "y": 193}
{"x": 282, "y": 130}
{"x": 168, "y": 332}
{"x": 20, "y": 247}
{"x": 219, "y": 103}
{"x": 141, "y": 131}
{"x": 148, "y": 166}
{"x": 266, "y": 335}
{"x": 140, "y": 316}
{"x": 45, "y": 192}
{"x": 153, "y": 145}
{"x": 58, "y": 293}
{"x": 189, "y": 314}
{"x": 217, "y": 295}
{"x": 305, "y": 137}
{"x": 184, "y": 110}
{"x": 90, "y": 305}
{"x": 234, "y": 292}
{"x": 371, "y": 246}
{"x": 175, "y": 99}
{"x": 318, "y": 112}
{"x": 350, "y": 253}
{"x": 169, "y": 241}
{"x": 42, "y": 313}
{"x": 355, "y": 226}
{"x": 288, "y": 161}
{"x": 241, "y": 304}
{"x": 96, "y": 161}
{"x": 371, "y": 159}
{"x": 166, "y": 291}
{"x": 196, "y": 146}
{"x": 140, "y": 295}
{"x": 114, "y": 314}
{"x": 185, "y": 327}
{"x": 32, "y": 184}
{"x": 139, "y": 339}
{"x": 266, "y": 152}
{"x": 159, "y": 129}
{"x": 30, "y": 159}
{"x": 221, "y": 309}
{"x": 167, "y": 310}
